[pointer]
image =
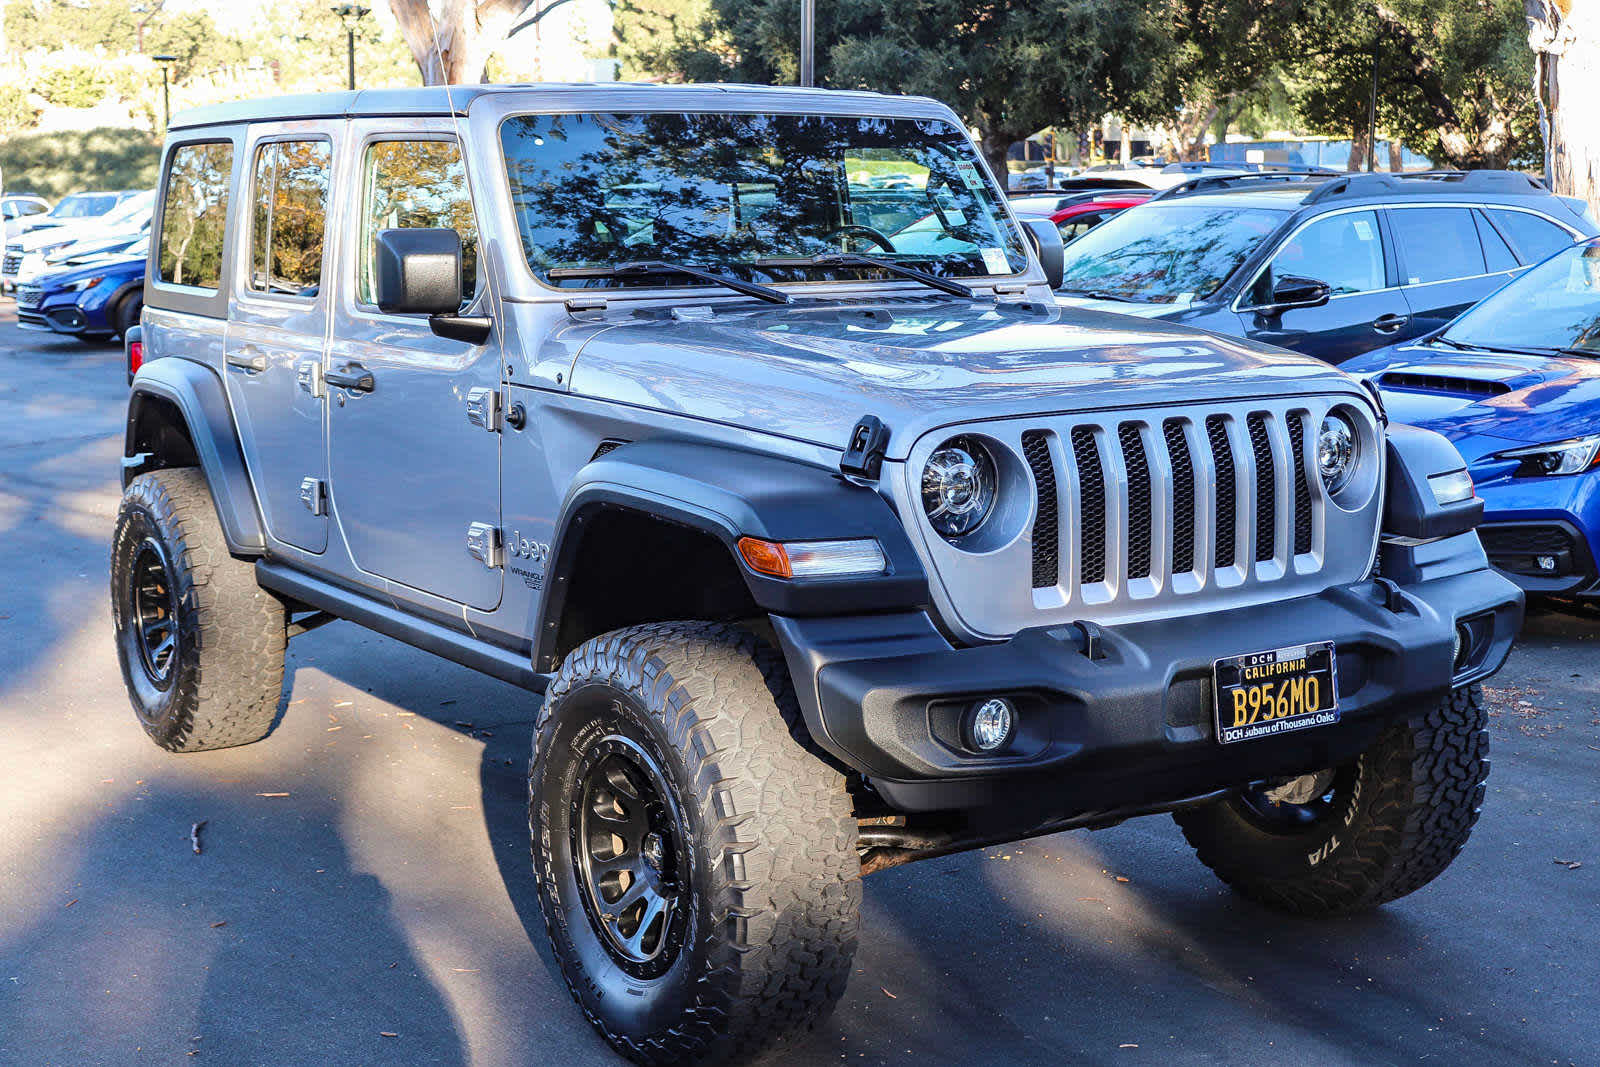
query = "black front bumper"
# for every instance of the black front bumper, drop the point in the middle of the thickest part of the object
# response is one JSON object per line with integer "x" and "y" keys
{"x": 1135, "y": 725}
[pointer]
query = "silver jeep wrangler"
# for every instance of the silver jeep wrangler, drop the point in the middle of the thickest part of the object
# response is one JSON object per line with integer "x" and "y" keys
{"x": 741, "y": 424}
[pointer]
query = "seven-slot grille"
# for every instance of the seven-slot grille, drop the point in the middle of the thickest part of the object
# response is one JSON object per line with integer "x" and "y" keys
{"x": 1186, "y": 481}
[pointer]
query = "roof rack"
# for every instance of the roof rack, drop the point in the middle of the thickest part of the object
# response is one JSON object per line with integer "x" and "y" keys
{"x": 1211, "y": 183}
{"x": 1428, "y": 183}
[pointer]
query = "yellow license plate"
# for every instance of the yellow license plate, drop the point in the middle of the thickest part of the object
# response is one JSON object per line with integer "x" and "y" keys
{"x": 1264, "y": 694}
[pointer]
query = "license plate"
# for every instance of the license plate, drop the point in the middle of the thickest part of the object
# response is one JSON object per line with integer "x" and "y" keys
{"x": 1264, "y": 694}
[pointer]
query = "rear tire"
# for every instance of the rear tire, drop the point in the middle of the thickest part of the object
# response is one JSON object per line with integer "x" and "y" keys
{"x": 1389, "y": 823}
{"x": 200, "y": 643}
{"x": 687, "y": 737}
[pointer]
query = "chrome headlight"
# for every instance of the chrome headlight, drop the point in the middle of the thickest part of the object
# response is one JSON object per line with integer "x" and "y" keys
{"x": 1338, "y": 451}
{"x": 958, "y": 486}
{"x": 1559, "y": 457}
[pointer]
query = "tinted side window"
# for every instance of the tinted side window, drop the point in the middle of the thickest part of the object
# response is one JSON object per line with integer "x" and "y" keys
{"x": 194, "y": 214}
{"x": 1075, "y": 227}
{"x": 415, "y": 185}
{"x": 1436, "y": 244}
{"x": 289, "y": 217}
{"x": 1346, "y": 251}
{"x": 1497, "y": 255}
{"x": 1533, "y": 236}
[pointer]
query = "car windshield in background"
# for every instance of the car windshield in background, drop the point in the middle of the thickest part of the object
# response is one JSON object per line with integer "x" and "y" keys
{"x": 1554, "y": 307}
{"x": 84, "y": 206}
{"x": 759, "y": 197}
{"x": 1165, "y": 254}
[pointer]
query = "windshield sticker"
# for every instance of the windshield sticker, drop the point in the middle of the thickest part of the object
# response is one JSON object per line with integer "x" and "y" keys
{"x": 995, "y": 260}
{"x": 1364, "y": 229}
{"x": 970, "y": 175}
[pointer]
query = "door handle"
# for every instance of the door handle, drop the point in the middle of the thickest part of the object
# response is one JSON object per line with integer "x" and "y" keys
{"x": 351, "y": 376}
{"x": 251, "y": 359}
{"x": 1389, "y": 323}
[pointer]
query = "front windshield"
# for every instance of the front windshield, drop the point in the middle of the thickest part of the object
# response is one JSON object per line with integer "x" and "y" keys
{"x": 1166, "y": 253}
{"x": 1556, "y": 305}
{"x": 734, "y": 192}
{"x": 132, "y": 211}
{"x": 84, "y": 206}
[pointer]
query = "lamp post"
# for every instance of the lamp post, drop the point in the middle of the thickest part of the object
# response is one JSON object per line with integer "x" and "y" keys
{"x": 808, "y": 42}
{"x": 351, "y": 15}
{"x": 166, "y": 98}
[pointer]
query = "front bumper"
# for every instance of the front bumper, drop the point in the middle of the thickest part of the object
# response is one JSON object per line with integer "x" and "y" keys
{"x": 65, "y": 318}
{"x": 1136, "y": 724}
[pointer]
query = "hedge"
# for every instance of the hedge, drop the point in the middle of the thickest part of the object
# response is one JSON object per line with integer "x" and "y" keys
{"x": 55, "y": 164}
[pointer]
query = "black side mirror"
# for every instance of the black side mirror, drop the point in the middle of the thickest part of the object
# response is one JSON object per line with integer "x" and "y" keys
{"x": 1047, "y": 244}
{"x": 1292, "y": 291}
{"x": 419, "y": 272}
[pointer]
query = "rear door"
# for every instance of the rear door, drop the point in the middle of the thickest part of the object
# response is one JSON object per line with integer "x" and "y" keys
{"x": 1346, "y": 250}
{"x": 410, "y": 474}
{"x": 278, "y": 326}
{"x": 1443, "y": 266}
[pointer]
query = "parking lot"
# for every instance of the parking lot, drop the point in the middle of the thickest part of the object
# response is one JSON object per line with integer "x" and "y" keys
{"x": 363, "y": 893}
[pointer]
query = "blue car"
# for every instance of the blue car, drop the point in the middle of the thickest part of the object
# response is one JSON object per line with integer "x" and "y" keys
{"x": 102, "y": 298}
{"x": 1515, "y": 384}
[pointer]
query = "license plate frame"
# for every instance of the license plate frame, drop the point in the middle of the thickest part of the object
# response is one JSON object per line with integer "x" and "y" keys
{"x": 1296, "y": 688}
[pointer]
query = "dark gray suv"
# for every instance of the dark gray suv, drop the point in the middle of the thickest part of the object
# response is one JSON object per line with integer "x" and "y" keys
{"x": 829, "y": 539}
{"x": 1331, "y": 266}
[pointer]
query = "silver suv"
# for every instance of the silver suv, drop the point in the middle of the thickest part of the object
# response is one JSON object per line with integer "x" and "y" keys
{"x": 830, "y": 540}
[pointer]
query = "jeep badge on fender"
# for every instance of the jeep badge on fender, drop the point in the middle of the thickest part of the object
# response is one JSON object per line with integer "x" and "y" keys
{"x": 829, "y": 539}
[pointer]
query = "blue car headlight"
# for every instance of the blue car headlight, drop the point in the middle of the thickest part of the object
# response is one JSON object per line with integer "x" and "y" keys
{"x": 81, "y": 284}
{"x": 1558, "y": 457}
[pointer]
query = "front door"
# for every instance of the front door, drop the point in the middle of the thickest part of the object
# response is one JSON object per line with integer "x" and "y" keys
{"x": 409, "y": 472}
{"x": 1364, "y": 311}
{"x": 277, "y": 332}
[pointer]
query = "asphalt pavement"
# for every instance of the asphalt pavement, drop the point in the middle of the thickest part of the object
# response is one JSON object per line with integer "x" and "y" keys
{"x": 363, "y": 895}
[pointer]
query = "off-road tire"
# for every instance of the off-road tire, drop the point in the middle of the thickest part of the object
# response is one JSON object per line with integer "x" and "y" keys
{"x": 226, "y": 678}
{"x": 772, "y": 869}
{"x": 1415, "y": 795}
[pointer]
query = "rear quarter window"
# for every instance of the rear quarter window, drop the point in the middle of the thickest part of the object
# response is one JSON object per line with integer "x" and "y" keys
{"x": 1534, "y": 237}
{"x": 194, "y": 215}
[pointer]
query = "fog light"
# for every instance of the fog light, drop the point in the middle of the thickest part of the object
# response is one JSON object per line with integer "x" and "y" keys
{"x": 1547, "y": 563}
{"x": 1462, "y": 647}
{"x": 989, "y": 725}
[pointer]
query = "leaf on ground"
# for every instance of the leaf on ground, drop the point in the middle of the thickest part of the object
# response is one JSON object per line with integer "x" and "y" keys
{"x": 272, "y": 794}
{"x": 219, "y": 925}
{"x": 1570, "y": 865}
{"x": 888, "y": 994}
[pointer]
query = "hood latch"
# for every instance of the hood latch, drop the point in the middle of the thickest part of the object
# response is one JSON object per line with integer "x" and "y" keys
{"x": 863, "y": 455}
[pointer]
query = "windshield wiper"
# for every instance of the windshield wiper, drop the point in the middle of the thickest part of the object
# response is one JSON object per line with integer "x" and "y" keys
{"x": 1103, "y": 294}
{"x": 645, "y": 268}
{"x": 1518, "y": 350}
{"x": 1453, "y": 343}
{"x": 856, "y": 259}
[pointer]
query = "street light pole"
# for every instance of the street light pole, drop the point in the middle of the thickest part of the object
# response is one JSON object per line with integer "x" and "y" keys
{"x": 166, "y": 99}
{"x": 351, "y": 15}
{"x": 808, "y": 42}
{"x": 1372, "y": 104}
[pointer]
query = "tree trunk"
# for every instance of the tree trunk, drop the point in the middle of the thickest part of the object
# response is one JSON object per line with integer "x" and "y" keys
{"x": 996, "y": 146}
{"x": 454, "y": 49}
{"x": 1358, "y": 149}
{"x": 1567, "y": 44}
{"x": 1397, "y": 156}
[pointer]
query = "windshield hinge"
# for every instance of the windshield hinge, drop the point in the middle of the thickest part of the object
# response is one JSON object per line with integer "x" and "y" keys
{"x": 585, "y": 303}
{"x": 1010, "y": 290}
{"x": 863, "y": 455}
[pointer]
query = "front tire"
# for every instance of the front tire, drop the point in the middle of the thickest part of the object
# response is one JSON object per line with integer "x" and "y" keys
{"x": 200, "y": 643}
{"x": 1378, "y": 828}
{"x": 696, "y": 862}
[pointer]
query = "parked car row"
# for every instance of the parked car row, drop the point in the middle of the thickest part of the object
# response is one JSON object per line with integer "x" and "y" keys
{"x": 79, "y": 269}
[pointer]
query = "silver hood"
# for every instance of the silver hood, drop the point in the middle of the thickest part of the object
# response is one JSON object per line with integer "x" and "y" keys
{"x": 809, "y": 373}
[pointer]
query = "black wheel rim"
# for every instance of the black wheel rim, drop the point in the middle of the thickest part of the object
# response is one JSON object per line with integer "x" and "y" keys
{"x": 153, "y": 613}
{"x": 628, "y": 851}
{"x": 1283, "y": 817}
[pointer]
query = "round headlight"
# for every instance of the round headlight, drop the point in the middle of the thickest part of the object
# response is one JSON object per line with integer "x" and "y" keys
{"x": 1336, "y": 451}
{"x": 958, "y": 486}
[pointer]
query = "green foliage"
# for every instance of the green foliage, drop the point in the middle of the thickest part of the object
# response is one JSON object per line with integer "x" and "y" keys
{"x": 73, "y": 85}
{"x": 652, "y": 36}
{"x": 1454, "y": 77}
{"x": 16, "y": 110}
{"x": 55, "y": 164}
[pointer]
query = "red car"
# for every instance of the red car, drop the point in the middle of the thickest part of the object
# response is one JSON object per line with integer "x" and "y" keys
{"x": 1075, "y": 214}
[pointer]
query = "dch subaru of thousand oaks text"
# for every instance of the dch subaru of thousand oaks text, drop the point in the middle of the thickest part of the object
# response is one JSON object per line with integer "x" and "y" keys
{"x": 829, "y": 546}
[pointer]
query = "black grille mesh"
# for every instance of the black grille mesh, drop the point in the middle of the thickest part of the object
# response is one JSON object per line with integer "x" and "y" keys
{"x": 1227, "y": 492}
{"x": 1138, "y": 468}
{"x": 1302, "y": 491}
{"x": 1092, "y": 506}
{"x": 1266, "y": 488}
{"x": 1046, "y": 530}
{"x": 1182, "y": 496}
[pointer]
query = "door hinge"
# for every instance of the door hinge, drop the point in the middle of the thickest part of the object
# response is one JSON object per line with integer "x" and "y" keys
{"x": 483, "y": 408}
{"x": 314, "y": 495}
{"x": 484, "y": 544}
{"x": 309, "y": 375}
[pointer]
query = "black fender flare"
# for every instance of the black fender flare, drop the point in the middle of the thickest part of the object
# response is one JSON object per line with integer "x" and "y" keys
{"x": 197, "y": 393}
{"x": 729, "y": 493}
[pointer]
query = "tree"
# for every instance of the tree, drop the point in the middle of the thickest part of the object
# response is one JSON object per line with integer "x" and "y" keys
{"x": 1565, "y": 38}
{"x": 650, "y": 37}
{"x": 454, "y": 47}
